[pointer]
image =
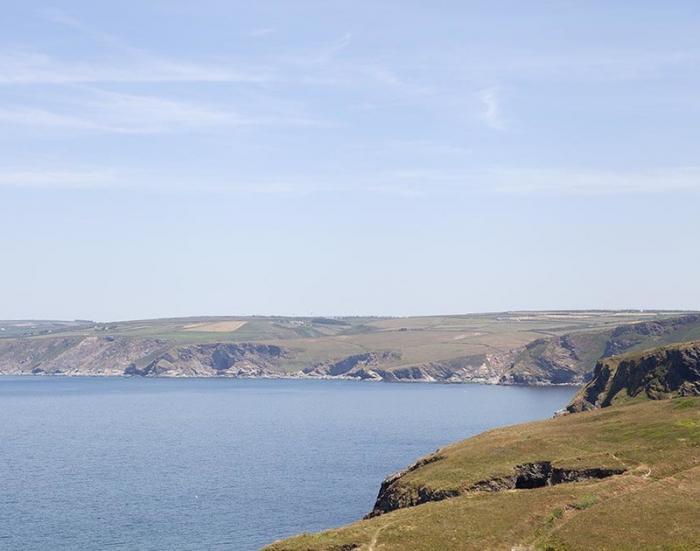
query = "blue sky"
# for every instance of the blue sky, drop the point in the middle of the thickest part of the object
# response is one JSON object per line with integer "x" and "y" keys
{"x": 162, "y": 158}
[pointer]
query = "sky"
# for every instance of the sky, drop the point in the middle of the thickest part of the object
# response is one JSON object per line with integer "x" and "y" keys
{"x": 171, "y": 158}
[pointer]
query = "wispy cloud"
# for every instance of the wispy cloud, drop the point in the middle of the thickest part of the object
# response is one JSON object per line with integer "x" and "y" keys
{"x": 115, "y": 61}
{"x": 594, "y": 64}
{"x": 95, "y": 110}
{"x": 38, "y": 68}
{"x": 593, "y": 182}
{"x": 491, "y": 108}
{"x": 104, "y": 111}
{"x": 127, "y": 64}
{"x": 29, "y": 116}
{"x": 59, "y": 179}
{"x": 400, "y": 182}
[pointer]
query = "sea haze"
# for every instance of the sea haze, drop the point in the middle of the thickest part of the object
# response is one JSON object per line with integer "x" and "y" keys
{"x": 161, "y": 464}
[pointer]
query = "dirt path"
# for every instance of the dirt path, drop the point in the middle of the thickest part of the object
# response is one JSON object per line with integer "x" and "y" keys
{"x": 373, "y": 542}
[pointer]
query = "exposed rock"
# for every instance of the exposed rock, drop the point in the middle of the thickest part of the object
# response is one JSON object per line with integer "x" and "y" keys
{"x": 554, "y": 360}
{"x": 109, "y": 355}
{"x": 539, "y": 474}
{"x": 354, "y": 366}
{"x": 241, "y": 360}
{"x": 661, "y": 373}
{"x": 395, "y": 495}
{"x": 94, "y": 355}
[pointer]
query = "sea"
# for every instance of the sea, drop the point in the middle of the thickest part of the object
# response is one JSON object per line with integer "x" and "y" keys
{"x": 191, "y": 464}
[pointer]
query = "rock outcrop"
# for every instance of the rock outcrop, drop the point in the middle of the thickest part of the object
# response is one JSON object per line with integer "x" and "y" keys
{"x": 656, "y": 374}
{"x": 393, "y": 494}
{"x": 93, "y": 355}
{"x": 357, "y": 366}
{"x": 203, "y": 360}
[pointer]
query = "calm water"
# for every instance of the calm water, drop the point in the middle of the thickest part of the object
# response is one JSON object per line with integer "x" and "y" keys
{"x": 219, "y": 464}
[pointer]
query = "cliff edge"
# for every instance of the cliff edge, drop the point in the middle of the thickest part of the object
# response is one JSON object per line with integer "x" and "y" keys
{"x": 656, "y": 374}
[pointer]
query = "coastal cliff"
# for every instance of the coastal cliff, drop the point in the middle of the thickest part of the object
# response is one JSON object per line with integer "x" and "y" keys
{"x": 384, "y": 350}
{"x": 624, "y": 474}
{"x": 655, "y": 374}
{"x": 112, "y": 356}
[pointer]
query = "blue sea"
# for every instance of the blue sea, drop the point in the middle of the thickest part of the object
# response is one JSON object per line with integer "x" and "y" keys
{"x": 184, "y": 464}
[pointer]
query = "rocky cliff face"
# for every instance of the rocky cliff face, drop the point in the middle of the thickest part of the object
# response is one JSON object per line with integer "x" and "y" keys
{"x": 661, "y": 373}
{"x": 557, "y": 360}
{"x": 367, "y": 365}
{"x": 395, "y": 494}
{"x": 571, "y": 358}
{"x": 566, "y": 359}
{"x": 382, "y": 366}
{"x": 102, "y": 355}
{"x": 107, "y": 355}
{"x": 207, "y": 360}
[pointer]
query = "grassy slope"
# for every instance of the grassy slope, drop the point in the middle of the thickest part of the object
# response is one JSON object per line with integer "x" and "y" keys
{"x": 655, "y": 504}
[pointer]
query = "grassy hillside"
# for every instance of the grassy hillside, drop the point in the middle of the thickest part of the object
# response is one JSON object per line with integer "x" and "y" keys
{"x": 508, "y": 488}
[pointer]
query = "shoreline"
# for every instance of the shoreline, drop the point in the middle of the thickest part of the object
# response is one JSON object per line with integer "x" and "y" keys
{"x": 283, "y": 377}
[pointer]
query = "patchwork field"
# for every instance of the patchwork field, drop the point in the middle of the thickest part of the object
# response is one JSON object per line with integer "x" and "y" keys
{"x": 506, "y": 347}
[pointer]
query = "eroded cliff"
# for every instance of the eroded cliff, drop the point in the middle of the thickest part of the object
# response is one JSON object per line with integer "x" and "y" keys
{"x": 655, "y": 374}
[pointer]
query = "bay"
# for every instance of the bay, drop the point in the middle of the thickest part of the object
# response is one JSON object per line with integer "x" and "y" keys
{"x": 185, "y": 464}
